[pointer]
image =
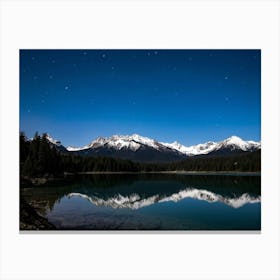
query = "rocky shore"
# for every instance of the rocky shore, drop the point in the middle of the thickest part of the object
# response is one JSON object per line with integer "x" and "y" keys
{"x": 31, "y": 220}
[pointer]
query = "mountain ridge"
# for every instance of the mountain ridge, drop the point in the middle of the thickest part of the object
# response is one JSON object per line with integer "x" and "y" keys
{"x": 139, "y": 148}
{"x": 208, "y": 146}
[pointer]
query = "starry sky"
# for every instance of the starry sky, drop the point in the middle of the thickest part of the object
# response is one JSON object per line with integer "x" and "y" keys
{"x": 191, "y": 96}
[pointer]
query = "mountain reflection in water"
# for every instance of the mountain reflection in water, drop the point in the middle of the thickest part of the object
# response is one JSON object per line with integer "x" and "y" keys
{"x": 134, "y": 201}
{"x": 151, "y": 201}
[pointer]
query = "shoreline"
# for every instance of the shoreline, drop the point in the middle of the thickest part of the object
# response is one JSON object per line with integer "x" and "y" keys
{"x": 27, "y": 182}
{"x": 256, "y": 173}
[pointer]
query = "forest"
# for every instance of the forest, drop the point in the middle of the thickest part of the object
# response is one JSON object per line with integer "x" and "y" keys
{"x": 40, "y": 159}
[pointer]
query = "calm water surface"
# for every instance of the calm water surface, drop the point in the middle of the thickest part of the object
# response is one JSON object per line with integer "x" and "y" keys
{"x": 151, "y": 202}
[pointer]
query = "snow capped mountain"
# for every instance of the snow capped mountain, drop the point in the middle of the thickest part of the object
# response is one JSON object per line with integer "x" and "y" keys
{"x": 232, "y": 143}
{"x": 192, "y": 150}
{"x": 118, "y": 142}
{"x": 139, "y": 148}
{"x": 235, "y": 144}
{"x": 133, "y": 147}
{"x": 53, "y": 141}
{"x": 132, "y": 142}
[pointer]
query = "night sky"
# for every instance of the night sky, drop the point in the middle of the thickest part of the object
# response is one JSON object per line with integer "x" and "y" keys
{"x": 191, "y": 96}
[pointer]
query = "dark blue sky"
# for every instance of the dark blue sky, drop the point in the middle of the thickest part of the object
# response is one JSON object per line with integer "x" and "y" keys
{"x": 191, "y": 96}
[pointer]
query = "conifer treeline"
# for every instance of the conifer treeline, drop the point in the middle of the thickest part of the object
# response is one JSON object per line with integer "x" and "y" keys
{"x": 39, "y": 158}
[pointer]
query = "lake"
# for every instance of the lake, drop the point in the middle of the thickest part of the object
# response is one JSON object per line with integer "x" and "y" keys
{"x": 150, "y": 202}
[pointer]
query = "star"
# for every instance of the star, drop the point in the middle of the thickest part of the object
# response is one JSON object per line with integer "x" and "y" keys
{"x": 226, "y": 99}
{"x": 84, "y": 53}
{"x": 53, "y": 61}
{"x": 113, "y": 68}
{"x": 226, "y": 78}
{"x": 104, "y": 56}
{"x": 28, "y": 111}
{"x": 155, "y": 52}
{"x": 50, "y": 77}
{"x": 66, "y": 87}
{"x": 148, "y": 53}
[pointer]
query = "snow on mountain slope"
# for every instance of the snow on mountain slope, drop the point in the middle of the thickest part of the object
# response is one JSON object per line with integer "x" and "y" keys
{"x": 118, "y": 142}
{"x": 75, "y": 149}
{"x": 53, "y": 141}
{"x": 236, "y": 143}
{"x": 134, "y": 142}
{"x": 232, "y": 143}
{"x": 94, "y": 144}
{"x": 192, "y": 150}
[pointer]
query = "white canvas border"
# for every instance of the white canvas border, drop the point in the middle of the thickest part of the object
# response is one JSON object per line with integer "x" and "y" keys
{"x": 139, "y": 24}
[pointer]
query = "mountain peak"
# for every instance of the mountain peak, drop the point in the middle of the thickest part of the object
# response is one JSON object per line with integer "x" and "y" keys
{"x": 234, "y": 138}
{"x": 52, "y": 140}
{"x": 236, "y": 143}
{"x": 137, "y": 135}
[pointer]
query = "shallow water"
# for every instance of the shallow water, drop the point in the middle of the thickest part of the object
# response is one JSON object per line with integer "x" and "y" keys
{"x": 151, "y": 202}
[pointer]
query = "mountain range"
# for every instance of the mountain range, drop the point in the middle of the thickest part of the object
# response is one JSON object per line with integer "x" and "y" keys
{"x": 138, "y": 148}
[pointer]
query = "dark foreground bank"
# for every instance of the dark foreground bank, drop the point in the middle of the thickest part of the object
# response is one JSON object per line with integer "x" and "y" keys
{"x": 31, "y": 220}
